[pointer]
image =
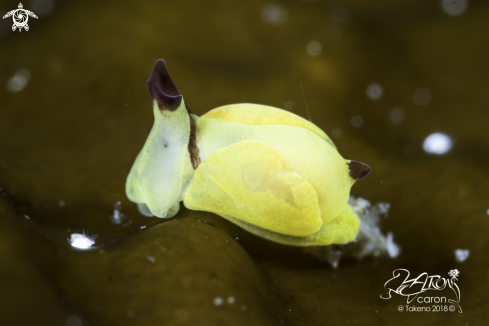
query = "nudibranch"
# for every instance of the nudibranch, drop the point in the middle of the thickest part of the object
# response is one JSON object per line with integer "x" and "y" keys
{"x": 267, "y": 170}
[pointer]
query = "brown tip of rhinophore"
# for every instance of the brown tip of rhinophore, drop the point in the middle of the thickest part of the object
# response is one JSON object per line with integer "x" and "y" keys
{"x": 162, "y": 89}
{"x": 358, "y": 170}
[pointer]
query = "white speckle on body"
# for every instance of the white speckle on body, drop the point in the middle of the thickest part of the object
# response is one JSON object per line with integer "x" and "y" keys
{"x": 151, "y": 258}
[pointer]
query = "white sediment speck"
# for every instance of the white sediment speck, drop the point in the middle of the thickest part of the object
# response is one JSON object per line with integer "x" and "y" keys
{"x": 142, "y": 227}
{"x": 218, "y": 301}
{"x": 61, "y": 203}
{"x": 289, "y": 105}
{"x": 82, "y": 241}
{"x": 243, "y": 307}
{"x": 274, "y": 14}
{"x": 73, "y": 321}
{"x": 27, "y": 217}
{"x": 19, "y": 80}
{"x": 374, "y": 91}
{"x": 231, "y": 300}
{"x": 334, "y": 258}
{"x": 454, "y": 7}
{"x": 393, "y": 250}
{"x": 151, "y": 258}
{"x": 461, "y": 255}
{"x": 117, "y": 216}
{"x": 487, "y": 211}
{"x": 422, "y": 96}
{"x": 356, "y": 121}
{"x": 314, "y": 48}
{"x": 437, "y": 143}
{"x": 337, "y": 132}
{"x": 130, "y": 314}
{"x": 396, "y": 115}
{"x": 42, "y": 7}
{"x": 341, "y": 16}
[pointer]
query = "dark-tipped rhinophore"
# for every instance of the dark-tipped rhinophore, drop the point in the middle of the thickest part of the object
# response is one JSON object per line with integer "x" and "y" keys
{"x": 162, "y": 89}
{"x": 358, "y": 170}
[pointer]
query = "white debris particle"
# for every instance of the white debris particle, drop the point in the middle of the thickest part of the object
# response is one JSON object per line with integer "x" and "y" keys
{"x": 437, "y": 143}
{"x": 42, "y": 7}
{"x": 231, "y": 300}
{"x": 396, "y": 115}
{"x": 142, "y": 227}
{"x": 218, "y": 301}
{"x": 314, "y": 48}
{"x": 27, "y": 217}
{"x": 487, "y": 211}
{"x": 461, "y": 255}
{"x": 337, "y": 132}
{"x": 73, "y": 321}
{"x": 289, "y": 105}
{"x": 117, "y": 217}
{"x": 130, "y": 314}
{"x": 61, "y": 203}
{"x": 334, "y": 258}
{"x": 356, "y": 121}
{"x": 82, "y": 241}
{"x": 243, "y": 307}
{"x": 393, "y": 250}
{"x": 454, "y": 7}
{"x": 341, "y": 16}
{"x": 274, "y": 14}
{"x": 422, "y": 96}
{"x": 151, "y": 258}
{"x": 374, "y": 91}
{"x": 19, "y": 80}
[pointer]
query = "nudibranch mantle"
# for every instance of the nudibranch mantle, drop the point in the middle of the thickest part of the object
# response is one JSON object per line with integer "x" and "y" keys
{"x": 267, "y": 170}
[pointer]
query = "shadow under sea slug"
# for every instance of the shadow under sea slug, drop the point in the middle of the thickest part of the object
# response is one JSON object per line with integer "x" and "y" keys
{"x": 267, "y": 170}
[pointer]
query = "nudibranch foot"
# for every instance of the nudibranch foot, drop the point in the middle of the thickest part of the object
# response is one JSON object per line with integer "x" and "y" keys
{"x": 341, "y": 230}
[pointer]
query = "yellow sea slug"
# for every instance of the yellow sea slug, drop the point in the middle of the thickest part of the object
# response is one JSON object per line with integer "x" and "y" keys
{"x": 267, "y": 170}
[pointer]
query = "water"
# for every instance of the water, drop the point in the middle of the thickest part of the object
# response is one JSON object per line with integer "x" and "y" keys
{"x": 72, "y": 131}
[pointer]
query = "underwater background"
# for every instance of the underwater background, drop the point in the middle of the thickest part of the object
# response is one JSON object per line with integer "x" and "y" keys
{"x": 379, "y": 77}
